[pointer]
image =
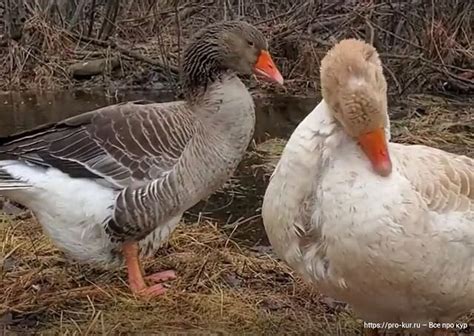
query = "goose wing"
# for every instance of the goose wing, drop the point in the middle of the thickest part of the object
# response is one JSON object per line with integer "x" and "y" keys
{"x": 445, "y": 181}
{"x": 124, "y": 144}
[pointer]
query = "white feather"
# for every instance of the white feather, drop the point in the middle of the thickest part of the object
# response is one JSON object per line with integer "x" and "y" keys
{"x": 372, "y": 241}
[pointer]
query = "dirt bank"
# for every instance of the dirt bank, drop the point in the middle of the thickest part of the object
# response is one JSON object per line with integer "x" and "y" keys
{"x": 425, "y": 45}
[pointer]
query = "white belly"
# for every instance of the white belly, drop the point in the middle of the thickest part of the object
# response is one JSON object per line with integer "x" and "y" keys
{"x": 372, "y": 244}
{"x": 73, "y": 213}
{"x": 406, "y": 262}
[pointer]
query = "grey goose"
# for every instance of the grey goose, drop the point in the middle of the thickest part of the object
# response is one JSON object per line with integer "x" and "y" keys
{"x": 110, "y": 185}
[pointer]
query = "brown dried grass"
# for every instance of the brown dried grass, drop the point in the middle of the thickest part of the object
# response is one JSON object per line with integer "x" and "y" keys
{"x": 40, "y": 60}
{"x": 425, "y": 45}
{"x": 223, "y": 289}
{"x": 441, "y": 122}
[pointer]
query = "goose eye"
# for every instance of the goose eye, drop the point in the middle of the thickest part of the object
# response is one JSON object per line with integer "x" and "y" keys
{"x": 250, "y": 43}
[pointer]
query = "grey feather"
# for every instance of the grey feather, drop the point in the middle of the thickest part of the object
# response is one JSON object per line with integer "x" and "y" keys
{"x": 161, "y": 158}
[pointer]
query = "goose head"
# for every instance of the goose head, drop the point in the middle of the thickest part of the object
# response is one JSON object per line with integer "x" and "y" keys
{"x": 244, "y": 50}
{"x": 355, "y": 89}
{"x": 235, "y": 46}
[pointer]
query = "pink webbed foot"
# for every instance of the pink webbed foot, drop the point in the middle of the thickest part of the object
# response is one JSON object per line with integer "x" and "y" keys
{"x": 161, "y": 276}
{"x": 136, "y": 281}
{"x": 151, "y": 291}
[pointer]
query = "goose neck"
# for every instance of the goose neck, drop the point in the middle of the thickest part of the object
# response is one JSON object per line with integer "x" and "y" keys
{"x": 201, "y": 68}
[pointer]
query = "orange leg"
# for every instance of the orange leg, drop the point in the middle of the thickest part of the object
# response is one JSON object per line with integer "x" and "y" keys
{"x": 136, "y": 281}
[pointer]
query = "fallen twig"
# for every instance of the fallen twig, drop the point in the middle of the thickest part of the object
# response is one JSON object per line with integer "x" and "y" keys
{"x": 130, "y": 53}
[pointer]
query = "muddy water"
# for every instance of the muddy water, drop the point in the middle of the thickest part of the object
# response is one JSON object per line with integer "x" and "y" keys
{"x": 238, "y": 204}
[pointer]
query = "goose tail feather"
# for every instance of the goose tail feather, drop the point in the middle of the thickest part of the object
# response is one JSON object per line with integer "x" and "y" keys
{"x": 8, "y": 182}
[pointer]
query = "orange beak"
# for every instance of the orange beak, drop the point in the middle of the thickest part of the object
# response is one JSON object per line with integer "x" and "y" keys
{"x": 374, "y": 146}
{"x": 267, "y": 69}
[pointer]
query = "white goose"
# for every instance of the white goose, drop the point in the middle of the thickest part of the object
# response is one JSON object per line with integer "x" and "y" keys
{"x": 386, "y": 227}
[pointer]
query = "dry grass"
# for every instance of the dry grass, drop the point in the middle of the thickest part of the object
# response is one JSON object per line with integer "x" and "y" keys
{"x": 42, "y": 61}
{"x": 223, "y": 289}
{"x": 425, "y": 45}
{"x": 436, "y": 121}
